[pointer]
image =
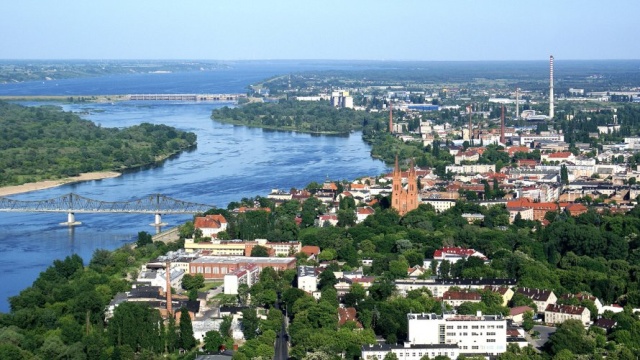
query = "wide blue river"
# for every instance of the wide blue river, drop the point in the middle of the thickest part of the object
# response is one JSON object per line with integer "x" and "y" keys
{"x": 229, "y": 163}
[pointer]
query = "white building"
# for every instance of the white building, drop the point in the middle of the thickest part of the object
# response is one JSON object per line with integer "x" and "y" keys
{"x": 159, "y": 278}
{"x": 557, "y": 314}
{"x": 307, "y": 279}
{"x": 479, "y": 334}
{"x": 245, "y": 275}
{"x": 471, "y": 169}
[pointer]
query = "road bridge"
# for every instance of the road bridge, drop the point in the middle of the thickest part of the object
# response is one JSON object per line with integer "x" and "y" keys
{"x": 156, "y": 204}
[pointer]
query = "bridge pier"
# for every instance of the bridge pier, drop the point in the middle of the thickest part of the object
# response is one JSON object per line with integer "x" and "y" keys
{"x": 71, "y": 220}
{"x": 158, "y": 221}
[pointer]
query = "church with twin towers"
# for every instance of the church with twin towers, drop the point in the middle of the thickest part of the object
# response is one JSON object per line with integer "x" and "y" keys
{"x": 404, "y": 199}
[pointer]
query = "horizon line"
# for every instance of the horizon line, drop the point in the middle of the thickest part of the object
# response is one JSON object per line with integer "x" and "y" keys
{"x": 546, "y": 59}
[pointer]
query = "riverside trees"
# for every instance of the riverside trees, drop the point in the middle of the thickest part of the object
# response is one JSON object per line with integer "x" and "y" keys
{"x": 38, "y": 143}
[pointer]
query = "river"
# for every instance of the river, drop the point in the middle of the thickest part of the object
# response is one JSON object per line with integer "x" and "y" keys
{"x": 229, "y": 163}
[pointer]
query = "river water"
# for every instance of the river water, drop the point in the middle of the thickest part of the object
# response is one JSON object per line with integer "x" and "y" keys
{"x": 229, "y": 163}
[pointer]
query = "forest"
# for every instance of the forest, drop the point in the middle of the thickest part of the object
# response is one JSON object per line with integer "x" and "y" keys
{"x": 43, "y": 143}
{"x": 304, "y": 116}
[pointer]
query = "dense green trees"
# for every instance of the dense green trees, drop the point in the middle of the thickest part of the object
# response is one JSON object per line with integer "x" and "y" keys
{"x": 39, "y": 143}
{"x": 303, "y": 116}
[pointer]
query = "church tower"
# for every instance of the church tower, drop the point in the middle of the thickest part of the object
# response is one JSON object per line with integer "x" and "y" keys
{"x": 404, "y": 200}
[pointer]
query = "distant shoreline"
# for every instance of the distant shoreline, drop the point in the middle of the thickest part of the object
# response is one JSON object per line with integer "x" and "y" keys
{"x": 48, "y": 184}
{"x": 65, "y": 98}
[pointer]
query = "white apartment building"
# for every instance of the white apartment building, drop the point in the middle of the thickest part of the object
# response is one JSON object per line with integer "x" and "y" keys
{"x": 246, "y": 275}
{"x": 471, "y": 169}
{"x": 479, "y": 334}
{"x": 307, "y": 279}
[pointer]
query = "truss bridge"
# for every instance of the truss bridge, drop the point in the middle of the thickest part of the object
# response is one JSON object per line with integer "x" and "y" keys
{"x": 72, "y": 203}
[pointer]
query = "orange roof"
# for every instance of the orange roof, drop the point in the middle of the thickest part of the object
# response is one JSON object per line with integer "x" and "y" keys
{"x": 310, "y": 250}
{"x": 560, "y": 155}
{"x": 357, "y": 186}
{"x": 348, "y": 314}
{"x": 330, "y": 186}
{"x": 514, "y": 149}
{"x": 209, "y": 222}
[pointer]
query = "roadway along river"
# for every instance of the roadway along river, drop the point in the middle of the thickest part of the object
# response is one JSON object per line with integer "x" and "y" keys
{"x": 230, "y": 163}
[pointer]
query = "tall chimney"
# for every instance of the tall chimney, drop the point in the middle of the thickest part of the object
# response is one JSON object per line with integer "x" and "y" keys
{"x": 390, "y": 117}
{"x": 517, "y": 104}
{"x": 470, "y": 126}
{"x": 551, "y": 112}
{"x": 168, "y": 292}
{"x": 502, "y": 126}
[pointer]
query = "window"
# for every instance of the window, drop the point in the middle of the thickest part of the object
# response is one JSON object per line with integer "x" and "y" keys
{"x": 500, "y": 326}
{"x": 199, "y": 269}
{"x": 474, "y": 348}
{"x": 449, "y": 327}
{"x": 451, "y": 334}
{"x": 459, "y": 327}
{"x": 193, "y": 269}
{"x": 491, "y": 333}
{"x": 465, "y": 327}
{"x": 207, "y": 270}
{"x": 474, "y": 327}
{"x": 491, "y": 340}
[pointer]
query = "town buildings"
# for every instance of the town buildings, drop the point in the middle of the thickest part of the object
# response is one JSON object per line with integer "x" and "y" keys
{"x": 216, "y": 267}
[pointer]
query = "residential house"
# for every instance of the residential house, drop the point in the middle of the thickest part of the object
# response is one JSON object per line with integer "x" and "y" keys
{"x": 210, "y": 225}
{"x": 456, "y": 298}
{"x": 557, "y": 314}
{"x": 542, "y": 298}
{"x": 517, "y": 313}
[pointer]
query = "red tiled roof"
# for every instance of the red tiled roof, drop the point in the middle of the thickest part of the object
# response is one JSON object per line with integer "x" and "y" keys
{"x": 209, "y": 222}
{"x": 565, "y": 309}
{"x": 519, "y": 310}
{"x": 348, "y": 314}
{"x": 461, "y": 295}
{"x": 310, "y": 250}
{"x": 560, "y": 155}
{"x": 535, "y": 294}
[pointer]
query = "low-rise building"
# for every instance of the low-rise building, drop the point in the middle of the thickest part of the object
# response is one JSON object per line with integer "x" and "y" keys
{"x": 307, "y": 279}
{"x": 216, "y": 267}
{"x": 210, "y": 225}
{"x": 456, "y": 298}
{"x": 557, "y": 314}
{"x": 437, "y": 287}
{"x": 246, "y": 275}
{"x": 504, "y": 291}
{"x": 542, "y": 298}
{"x": 517, "y": 313}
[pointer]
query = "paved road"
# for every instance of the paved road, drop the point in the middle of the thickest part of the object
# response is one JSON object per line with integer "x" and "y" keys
{"x": 544, "y": 331}
{"x": 282, "y": 340}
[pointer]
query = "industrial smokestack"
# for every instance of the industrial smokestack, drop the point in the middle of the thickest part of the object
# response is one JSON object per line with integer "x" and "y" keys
{"x": 502, "y": 126}
{"x": 470, "y": 126}
{"x": 168, "y": 292}
{"x": 517, "y": 104}
{"x": 390, "y": 117}
{"x": 551, "y": 112}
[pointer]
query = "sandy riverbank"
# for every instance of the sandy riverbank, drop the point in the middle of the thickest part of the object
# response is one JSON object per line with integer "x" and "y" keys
{"x": 47, "y": 184}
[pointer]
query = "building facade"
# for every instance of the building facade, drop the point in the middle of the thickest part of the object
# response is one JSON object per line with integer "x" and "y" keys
{"x": 216, "y": 267}
{"x": 404, "y": 200}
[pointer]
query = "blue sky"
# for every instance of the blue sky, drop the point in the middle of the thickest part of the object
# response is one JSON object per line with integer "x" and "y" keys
{"x": 327, "y": 29}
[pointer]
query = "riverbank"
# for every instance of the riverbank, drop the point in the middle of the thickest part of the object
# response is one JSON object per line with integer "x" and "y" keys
{"x": 47, "y": 184}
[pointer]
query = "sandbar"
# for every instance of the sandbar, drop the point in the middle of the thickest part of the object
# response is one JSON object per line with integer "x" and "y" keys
{"x": 47, "y": 184}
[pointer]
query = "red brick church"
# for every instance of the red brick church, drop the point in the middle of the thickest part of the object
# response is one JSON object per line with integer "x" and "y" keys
{"x": 404, "y": 200}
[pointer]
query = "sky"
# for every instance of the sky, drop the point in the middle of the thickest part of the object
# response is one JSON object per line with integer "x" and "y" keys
{"x": 424, "y": 30}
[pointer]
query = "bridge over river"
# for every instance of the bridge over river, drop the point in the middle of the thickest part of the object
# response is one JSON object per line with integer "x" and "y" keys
{"x": 156, "y": 204}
